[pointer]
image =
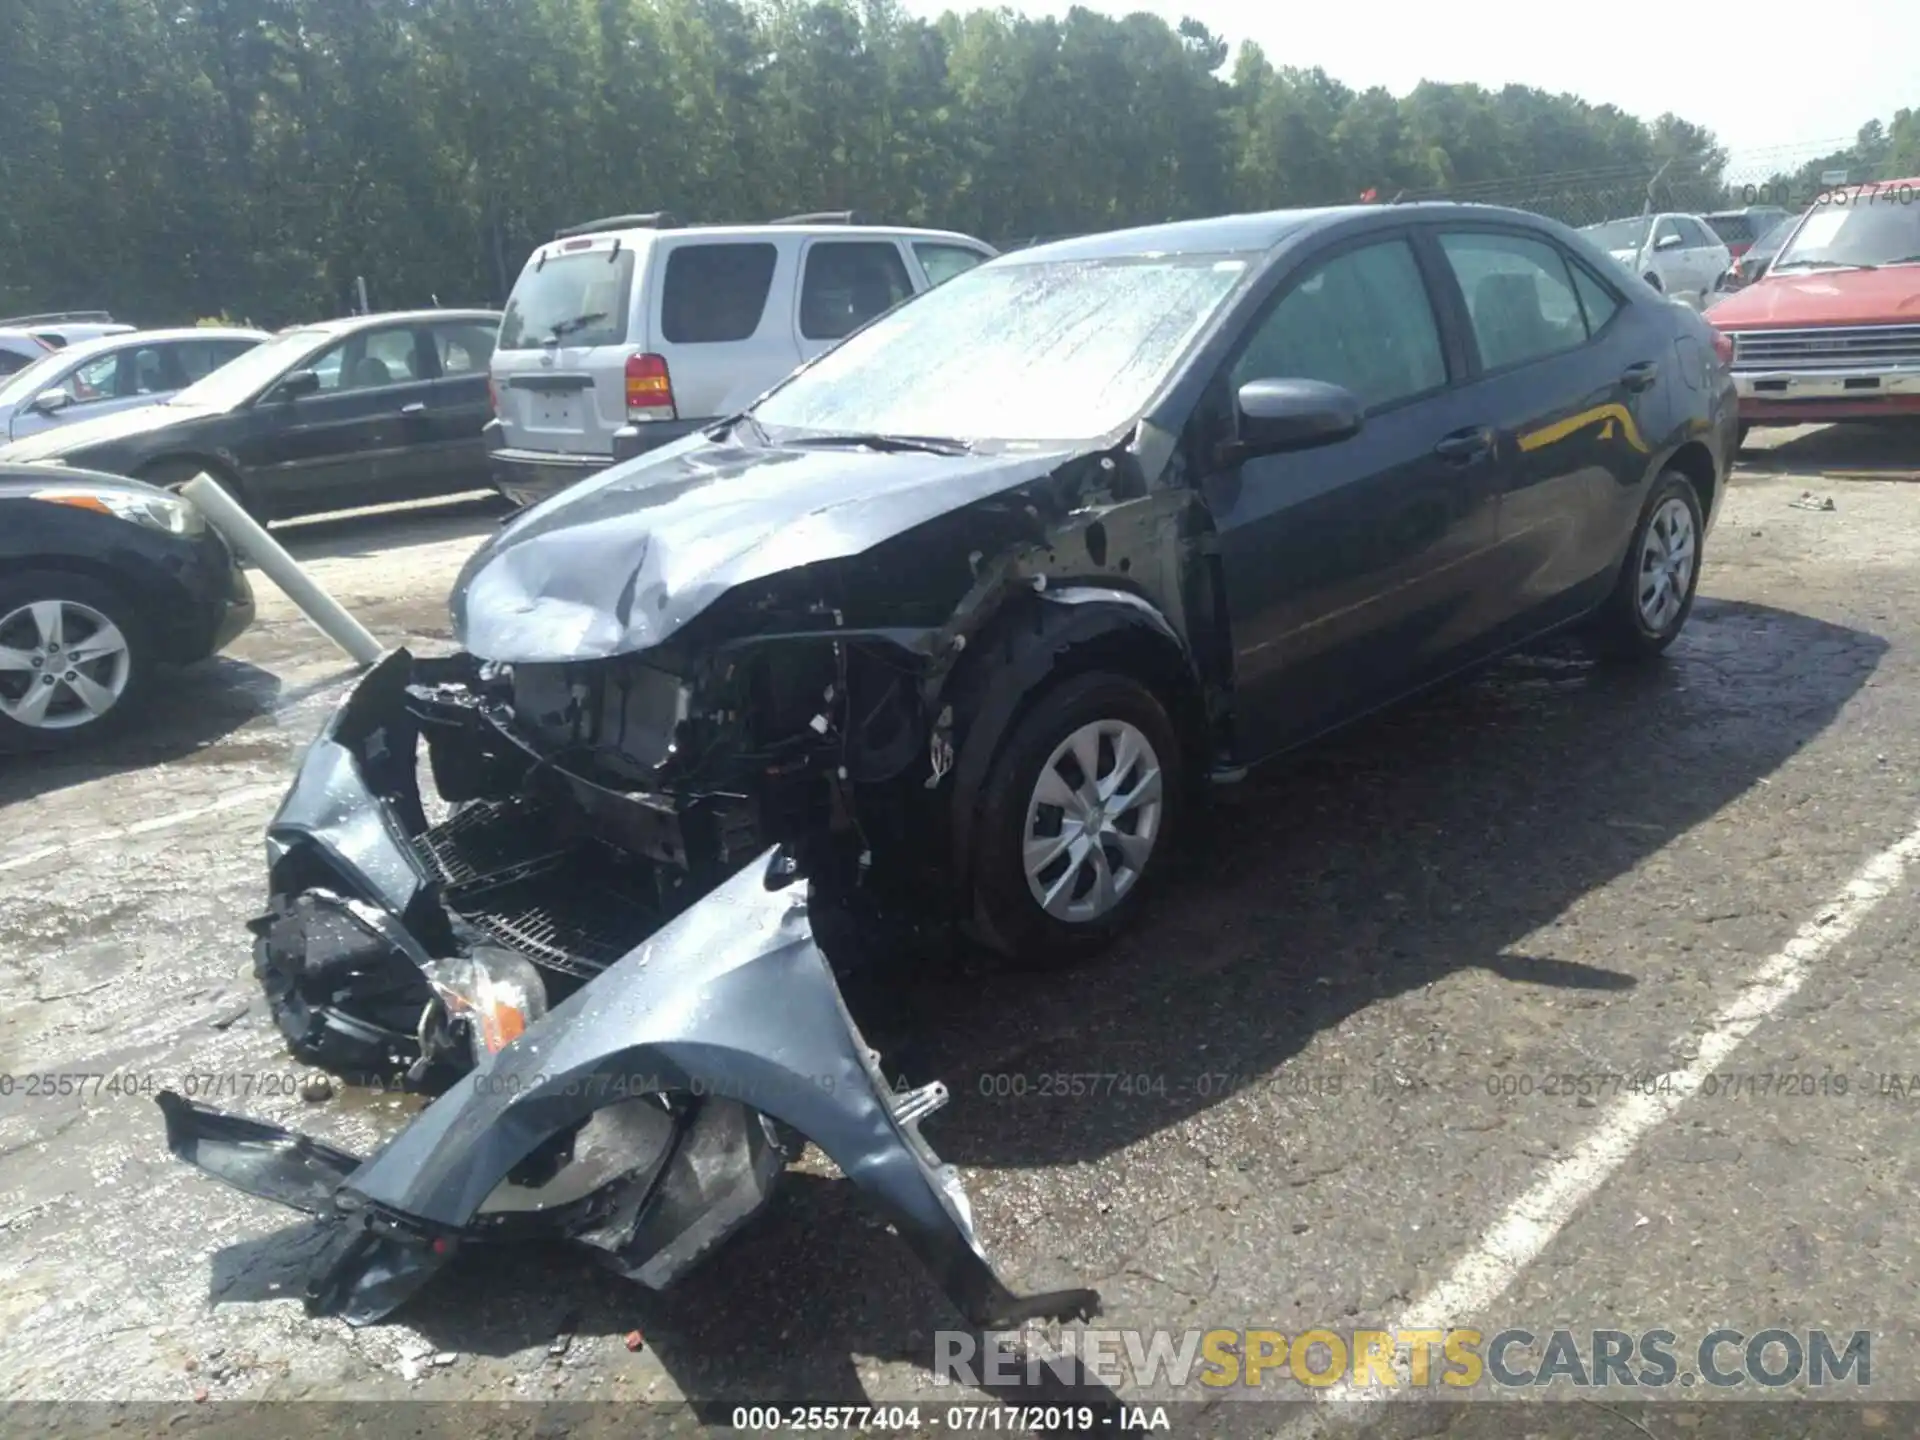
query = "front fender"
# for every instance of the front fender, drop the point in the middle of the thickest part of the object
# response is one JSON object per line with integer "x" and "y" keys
{"x": 731, "y": 999}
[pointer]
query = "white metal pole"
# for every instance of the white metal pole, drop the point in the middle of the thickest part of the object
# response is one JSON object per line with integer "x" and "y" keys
{"x": 246, "y": 535}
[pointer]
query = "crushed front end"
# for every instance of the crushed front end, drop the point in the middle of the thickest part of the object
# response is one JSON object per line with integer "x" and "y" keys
{"x": 584, "y": 805}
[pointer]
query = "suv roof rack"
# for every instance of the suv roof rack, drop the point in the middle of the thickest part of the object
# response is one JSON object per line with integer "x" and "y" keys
{"x": 55, "y": 317}
{"x": 656, "y": 220}
{"x": 822, "y": 217}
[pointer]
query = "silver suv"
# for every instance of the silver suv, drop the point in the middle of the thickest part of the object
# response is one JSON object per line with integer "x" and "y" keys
{"x": 627, "y": 333}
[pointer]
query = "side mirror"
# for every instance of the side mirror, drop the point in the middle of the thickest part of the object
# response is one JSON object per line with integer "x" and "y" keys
{"x": 1278, "y": 415}
{"x": 300, "y": 382}
{"x": 1668, "y": 242}
{"x": 48, "y": 401}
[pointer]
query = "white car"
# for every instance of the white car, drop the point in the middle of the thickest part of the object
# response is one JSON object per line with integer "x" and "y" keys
{"x": 627, "y": 333}
{"x": 112, "y": 373}
{"x": 1678, "y": 255}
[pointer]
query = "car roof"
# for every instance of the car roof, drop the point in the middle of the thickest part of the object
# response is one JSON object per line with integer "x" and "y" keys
{"x": 347, "y": 324}
{"x": 1229, "y": 234}
{"x": 640, "y": 236}
{"x": 100, "y": 343}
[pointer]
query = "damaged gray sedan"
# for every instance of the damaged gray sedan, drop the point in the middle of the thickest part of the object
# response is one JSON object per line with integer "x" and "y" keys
{"x": 956, "y": 623}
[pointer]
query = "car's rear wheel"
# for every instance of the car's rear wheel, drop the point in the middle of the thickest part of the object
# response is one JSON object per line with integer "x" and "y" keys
{"x": 1077, "y": 819}
{"x": 74, "y": 659}
{"x": 1740, "y": 436}
{"x": 1654, "y": 594}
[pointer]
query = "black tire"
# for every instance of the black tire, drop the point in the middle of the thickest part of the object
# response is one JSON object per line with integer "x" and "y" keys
{"x": 1740, "y": 437}
{"x": 172, "y": 474}
{"x": 1620, "y": 630}
{"x": 74, "y": 589}
{"x": 1004, "y": 913}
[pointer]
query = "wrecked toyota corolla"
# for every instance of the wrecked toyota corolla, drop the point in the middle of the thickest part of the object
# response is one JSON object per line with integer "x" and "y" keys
{"x": 948, "y": 624}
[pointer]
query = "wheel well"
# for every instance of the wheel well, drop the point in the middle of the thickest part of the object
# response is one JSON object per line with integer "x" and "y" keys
{"x": 1030, "y": 650}
{"x": 1695, "y": 461}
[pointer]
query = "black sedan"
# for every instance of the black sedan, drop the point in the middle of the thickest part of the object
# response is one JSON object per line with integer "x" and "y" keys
{"x": 101, "y": 578}
{"x": 361, "y": 411}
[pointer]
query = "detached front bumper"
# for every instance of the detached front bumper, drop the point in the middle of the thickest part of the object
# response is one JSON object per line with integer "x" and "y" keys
{"x": 1810, "y": 396}
{"x": 648, "y": 1115}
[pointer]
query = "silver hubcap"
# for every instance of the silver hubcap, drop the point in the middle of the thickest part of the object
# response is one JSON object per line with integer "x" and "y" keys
{"x": 62, "y": 664}
{"x": 1092, "y": 821}
{"x": 1666, "y": 565}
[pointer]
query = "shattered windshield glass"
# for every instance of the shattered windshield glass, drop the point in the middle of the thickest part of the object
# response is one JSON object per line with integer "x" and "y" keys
{"x": 1046, "y": 350}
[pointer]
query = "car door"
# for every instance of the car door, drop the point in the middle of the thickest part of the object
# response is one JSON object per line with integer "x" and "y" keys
{"x": 1666, "y": 256}
{"x": 1707, "y": 256}
{"x": 844, "y": 284}
{"x": 1564, "y": 371}
{"x": 1353, "y": 571}
{"x": 457, "y": 409}
{"x": 336, "y": 446}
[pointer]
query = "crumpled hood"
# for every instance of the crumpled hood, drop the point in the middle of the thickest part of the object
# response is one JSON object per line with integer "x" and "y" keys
{"x": 620, "y": 562}
{"x": 83, "y": 434}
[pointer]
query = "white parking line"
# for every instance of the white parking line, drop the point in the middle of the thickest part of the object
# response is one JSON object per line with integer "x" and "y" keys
{"x": 232, "y": 800}
{"x": 1529, "y": 1226}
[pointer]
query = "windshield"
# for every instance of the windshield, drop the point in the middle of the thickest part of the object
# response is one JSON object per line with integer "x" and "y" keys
{"x": 1861, "y": 229}
{"x": 1776, "y": 237}
{"x": 1620, "y": 234}
{"x": 1047, "y": 350}
{"x": 241, "y": 378}
{"x": 580, "y": 299}
{"x": 24, "y": 384}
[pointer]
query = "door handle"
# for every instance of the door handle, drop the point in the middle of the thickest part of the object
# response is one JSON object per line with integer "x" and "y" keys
{"x": 1465, "y": 446}
{"x": 414, "y": 407}
{"x": 1641, "y": 376}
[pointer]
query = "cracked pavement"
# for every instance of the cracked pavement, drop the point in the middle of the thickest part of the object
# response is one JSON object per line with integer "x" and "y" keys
{"x": 1307, "y": 1085}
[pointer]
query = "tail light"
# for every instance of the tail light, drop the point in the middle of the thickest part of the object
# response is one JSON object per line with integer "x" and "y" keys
{"x": 649, "y": 389}
{"x": 1723, "y": 348}
{"x": 493, "y": 396}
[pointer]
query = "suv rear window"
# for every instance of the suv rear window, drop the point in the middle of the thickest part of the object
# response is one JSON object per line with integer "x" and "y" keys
{"x": 715, "y": 293}
{"x": 848, "y": 282}
{"x": 583, "y": 295}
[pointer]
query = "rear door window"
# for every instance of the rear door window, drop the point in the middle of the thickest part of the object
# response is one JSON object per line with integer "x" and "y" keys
{"x": 198, "y": 359}
{"x": 847, "y": 283}
{"x": 1520, "y": 299}
{"x": 578, "y": 299}
{"x": 712, "y": 294}
{"x": 943, "y": 262}
{"x": 464, "y": 348}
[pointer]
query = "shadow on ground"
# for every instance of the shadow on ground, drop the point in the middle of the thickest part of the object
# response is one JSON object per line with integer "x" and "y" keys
{"x": 186, "y": 710}
{"x": 1888, "y": 450}
{"x": 1430, "y": 840}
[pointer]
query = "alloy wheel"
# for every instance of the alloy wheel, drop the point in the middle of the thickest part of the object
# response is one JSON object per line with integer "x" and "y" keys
{"x": 62, "y": 665}
{"x": 1667, "y": 555}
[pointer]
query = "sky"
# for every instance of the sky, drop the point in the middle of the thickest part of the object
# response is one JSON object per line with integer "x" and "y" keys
{"x": 1774, "y": 84}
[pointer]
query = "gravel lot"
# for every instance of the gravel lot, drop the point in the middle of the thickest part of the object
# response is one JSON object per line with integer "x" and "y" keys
{"x": 1550, "y": 870}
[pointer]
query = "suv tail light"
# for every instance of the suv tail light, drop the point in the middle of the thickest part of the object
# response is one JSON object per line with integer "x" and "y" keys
{"x": 649, "y": 389}
{"x": 493, "y": 396}
{"x": 1723, "y": 348}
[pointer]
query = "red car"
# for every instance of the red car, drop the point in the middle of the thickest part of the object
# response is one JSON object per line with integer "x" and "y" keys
{"x": 1832, "y": 330}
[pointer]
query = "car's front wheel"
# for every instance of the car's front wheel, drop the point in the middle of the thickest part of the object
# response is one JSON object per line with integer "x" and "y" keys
{"x": 74, "y": 658}
{"x": 1078, "y": 818}
{"x": 1654, "y": 594}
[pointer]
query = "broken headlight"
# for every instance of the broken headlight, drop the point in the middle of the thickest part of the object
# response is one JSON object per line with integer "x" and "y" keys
{"x": 497, "y": 993}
